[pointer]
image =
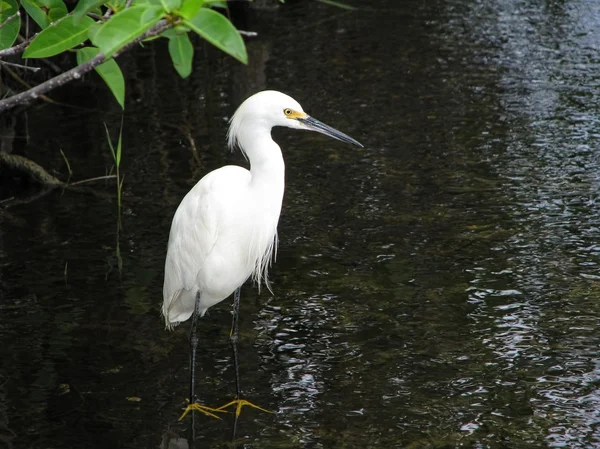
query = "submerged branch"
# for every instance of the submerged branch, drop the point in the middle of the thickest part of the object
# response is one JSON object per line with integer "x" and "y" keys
{"x": 39, "y": 175}
{"x": 30, "y": 168}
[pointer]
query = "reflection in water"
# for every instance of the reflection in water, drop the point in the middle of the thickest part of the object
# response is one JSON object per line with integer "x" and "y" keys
{"x": 437, "y": 289}
{"x": 298, "y": 344}
{"x": 172, "y": 440}
{"x": 551, "y": 176}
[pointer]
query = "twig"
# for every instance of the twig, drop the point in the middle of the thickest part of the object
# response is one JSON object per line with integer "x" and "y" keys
{"x": 33, "y": 69}
{"x": 107, "y": 14}
{"x": 10, "y": 19}
{"x": 99, "y": 178}
{"x": 76, "y": 72}
{"x": 20, "y": 80}
{"x": 16, "y": 49}
{"x": 26, "y": 85}
{"x": 248, "y": 33}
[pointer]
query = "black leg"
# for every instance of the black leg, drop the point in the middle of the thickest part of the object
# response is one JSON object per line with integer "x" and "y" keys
{"x": 192, "y": 432}
{"x": 193, "y": 346}
{"x": 193, "y": 403}
{"x": 234, "y": 339}
{"x": 234, "y": 431}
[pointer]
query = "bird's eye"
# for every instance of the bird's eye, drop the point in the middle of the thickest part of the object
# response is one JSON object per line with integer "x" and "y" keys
{"x": 287, "y": 112}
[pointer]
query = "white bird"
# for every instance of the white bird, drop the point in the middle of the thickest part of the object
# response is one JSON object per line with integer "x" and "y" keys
{"x": 225, "y": 229}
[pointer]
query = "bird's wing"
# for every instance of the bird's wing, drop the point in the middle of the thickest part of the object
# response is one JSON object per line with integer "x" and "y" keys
{"x": 194, "y": 233}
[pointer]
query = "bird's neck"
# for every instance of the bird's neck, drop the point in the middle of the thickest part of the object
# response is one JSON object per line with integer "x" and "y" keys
{"x": 267, "y": 168}
{"x": 266, "y": 161}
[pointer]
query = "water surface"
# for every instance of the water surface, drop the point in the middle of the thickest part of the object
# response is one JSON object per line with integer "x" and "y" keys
{"x": 437, "y": 289}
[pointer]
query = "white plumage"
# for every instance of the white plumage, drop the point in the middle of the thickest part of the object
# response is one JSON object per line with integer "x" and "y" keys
{"x": 225, "y": 229}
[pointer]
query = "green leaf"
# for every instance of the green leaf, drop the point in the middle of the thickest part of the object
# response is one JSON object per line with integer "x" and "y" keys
{"x": 56, "y": 9}
{"x": 110, "y": 144}
{"x": 119, "y": 144}
{"x": 171, "y": 5}
{"x": 215, "y": 4}
{"x": 92, "y": 30}
{"x": 109, "y": 71}
{"x": 174, "y": 32}
{"x": 36, "y": 13}
{"x": 58, "y": 37}
{"x": 116, "y": 5}
{"x": 170, "y": 33}
{"x": 85, "y": 6}
{"x": 44, "y": 12}
{"x": 125, "y": 26}
{"x": 10, "y": 31}
{"x": 182, "y": 53}
{"x": 147, "y": 3}
{"x": 190, "y": 8}
{"x": 220, "y": 32}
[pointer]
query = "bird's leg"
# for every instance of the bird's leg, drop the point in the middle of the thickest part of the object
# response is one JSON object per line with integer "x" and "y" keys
{"x": 192, "y": 404}
{"x": 193, "y": 347}
{"x": 233, "y": 338}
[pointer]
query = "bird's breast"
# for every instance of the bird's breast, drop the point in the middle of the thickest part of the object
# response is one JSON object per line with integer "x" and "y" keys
{"x": 246, "y": 245}
{"x": 262, "y": 217}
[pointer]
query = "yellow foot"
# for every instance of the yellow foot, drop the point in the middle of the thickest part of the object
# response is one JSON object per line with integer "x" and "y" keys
{"x": 239, "y": 404}
{"x": 202, "y": 409}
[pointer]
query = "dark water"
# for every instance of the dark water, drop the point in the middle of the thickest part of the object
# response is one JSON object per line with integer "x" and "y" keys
{"x": 438, "y": 289}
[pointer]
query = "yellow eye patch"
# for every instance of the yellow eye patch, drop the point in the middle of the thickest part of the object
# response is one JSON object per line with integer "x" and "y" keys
{"x": 290, "y": 113}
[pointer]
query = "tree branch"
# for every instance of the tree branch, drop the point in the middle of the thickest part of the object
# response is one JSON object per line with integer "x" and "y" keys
{"x": 15, "y": 50}
{"x": 24, "y": 165}
{"x": 76, "y": 72}
{"x": 24, "y": 67}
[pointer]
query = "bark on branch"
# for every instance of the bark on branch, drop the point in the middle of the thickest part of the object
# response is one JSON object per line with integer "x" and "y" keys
{"x": 24, "y": 165}
{"x": 75, "y": 73}
{"x": 16, "y": 49}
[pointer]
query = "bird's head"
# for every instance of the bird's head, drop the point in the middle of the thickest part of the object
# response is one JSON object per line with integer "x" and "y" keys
{"x": 271, "y": 108}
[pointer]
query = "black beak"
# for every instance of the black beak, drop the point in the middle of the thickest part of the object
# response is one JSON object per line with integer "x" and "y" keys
{"x": 314, "y": 125}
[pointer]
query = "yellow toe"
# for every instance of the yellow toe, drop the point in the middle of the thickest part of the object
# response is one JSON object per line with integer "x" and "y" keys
{"x": 239, "y": 403}
{"x": 202, "y": 409}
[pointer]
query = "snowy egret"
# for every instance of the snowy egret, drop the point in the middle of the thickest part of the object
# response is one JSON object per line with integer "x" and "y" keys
{"x": 225, "y": 229}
